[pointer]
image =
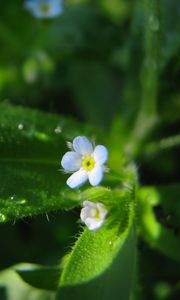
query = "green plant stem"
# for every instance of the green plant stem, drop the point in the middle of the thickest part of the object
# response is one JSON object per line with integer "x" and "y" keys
{"x": 164, "y": 144}
{"x": 151, "y": 60}
{"x": 147, "y": 116}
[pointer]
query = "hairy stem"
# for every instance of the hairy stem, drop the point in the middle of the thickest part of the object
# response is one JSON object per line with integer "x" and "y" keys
{"x": 164, "y": 144}
{"x": 151, "y": 60}
{"x": 147, "y": 116}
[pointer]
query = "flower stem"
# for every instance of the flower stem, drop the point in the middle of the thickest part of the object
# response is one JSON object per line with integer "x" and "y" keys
{"x": 164, "y": 144}
{"x": 147, "y": 116}
{"x": 150, "y": 68}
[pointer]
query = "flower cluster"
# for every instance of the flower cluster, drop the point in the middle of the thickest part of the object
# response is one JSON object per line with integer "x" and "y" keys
{"x": 44, "y": 8}
{"x": 86, "y": 163}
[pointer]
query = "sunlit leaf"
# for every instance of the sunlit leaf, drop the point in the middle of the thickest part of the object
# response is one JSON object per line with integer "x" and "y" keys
{"x": 154, "y": 232}
{"x": 94, "y": 252}
{"x": 115, "y": 283}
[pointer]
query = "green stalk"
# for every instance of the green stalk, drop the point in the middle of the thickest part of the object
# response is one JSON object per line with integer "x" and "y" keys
{"x": 150, "y": 68}
{"x": 147, "y": 116}
{"x": 164, "y": 144}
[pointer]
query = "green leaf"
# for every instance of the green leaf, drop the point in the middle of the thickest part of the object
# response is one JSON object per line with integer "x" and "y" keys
{"x": 40, "y": 277}
{"x": 169, "y": 196}
{"x": 32, "y": 144}
{"x": 154, "y": 233}
{"x": 117, "y": 281}
{"x": 94, "y": 252}
{"x": 12, "y": 287}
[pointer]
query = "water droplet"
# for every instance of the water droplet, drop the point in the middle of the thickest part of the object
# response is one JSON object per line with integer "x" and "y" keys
{"x": 58, "y": 130}
{"x": 20, "y": 126}
{"x": 3, "y": 218}
{"x": 153, "y": 23}
{"x": 12, "y": 197}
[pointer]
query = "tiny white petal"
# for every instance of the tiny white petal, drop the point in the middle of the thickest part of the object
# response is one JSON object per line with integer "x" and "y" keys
{"x": 102, "y": 210}
{"x": 84, "y": 213}
{"x": 93, "y": 223}
{"x": 71, "y": 161}
{"x": 76, "y": 179}
{"x": 100, "y": 154}
{"x": 89, "y": 203}
{"x": 82, "y": 146}
{"x": 88, "y": 212}
{"x": 95, "y": 175}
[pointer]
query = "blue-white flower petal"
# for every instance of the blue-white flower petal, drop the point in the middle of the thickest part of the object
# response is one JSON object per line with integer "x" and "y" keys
{"x": 71, "y": 161}
{"x": 82, "y": 146}
{"x": 55, "y": 7}
{"x": 93, "y": 223}
{"x": 102, "y": 210}
{"x": 76, "y": 179}
{"x": 95, "y": 175}
{"x": 100, "y": 154}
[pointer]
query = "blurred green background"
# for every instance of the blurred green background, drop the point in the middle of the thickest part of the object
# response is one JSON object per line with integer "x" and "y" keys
{"x": 86, "y": 63}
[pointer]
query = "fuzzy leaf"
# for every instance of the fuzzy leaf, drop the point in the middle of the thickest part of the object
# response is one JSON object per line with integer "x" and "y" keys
{"x": 32, "y": 144}
{"x": 115, "y": 283}
{"x": 94, "y": 252}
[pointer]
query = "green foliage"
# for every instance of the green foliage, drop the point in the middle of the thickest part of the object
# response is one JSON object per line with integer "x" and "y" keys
{"x": 113, "y": 64}
{"x": 94, "y": 252}
{"x": 37, "y": 184}
{"x": 13, "y": 288}
{"x": 169, "y": 199}
{"x": 118, "y": 278}
{"x": 156, "y": 234}
{"x": 40, "y": 277}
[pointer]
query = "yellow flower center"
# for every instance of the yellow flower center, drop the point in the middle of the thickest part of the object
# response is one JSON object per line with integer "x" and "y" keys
{"x": 44, "y": 8}
{"x": 98, "y": 214}
{"x": 88, "y": 163}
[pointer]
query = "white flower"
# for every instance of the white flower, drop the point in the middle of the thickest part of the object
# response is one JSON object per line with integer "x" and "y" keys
{"x": 44, "y": 8}
{"x": 93, "y": 215}
{"x": 85, "y": 162}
